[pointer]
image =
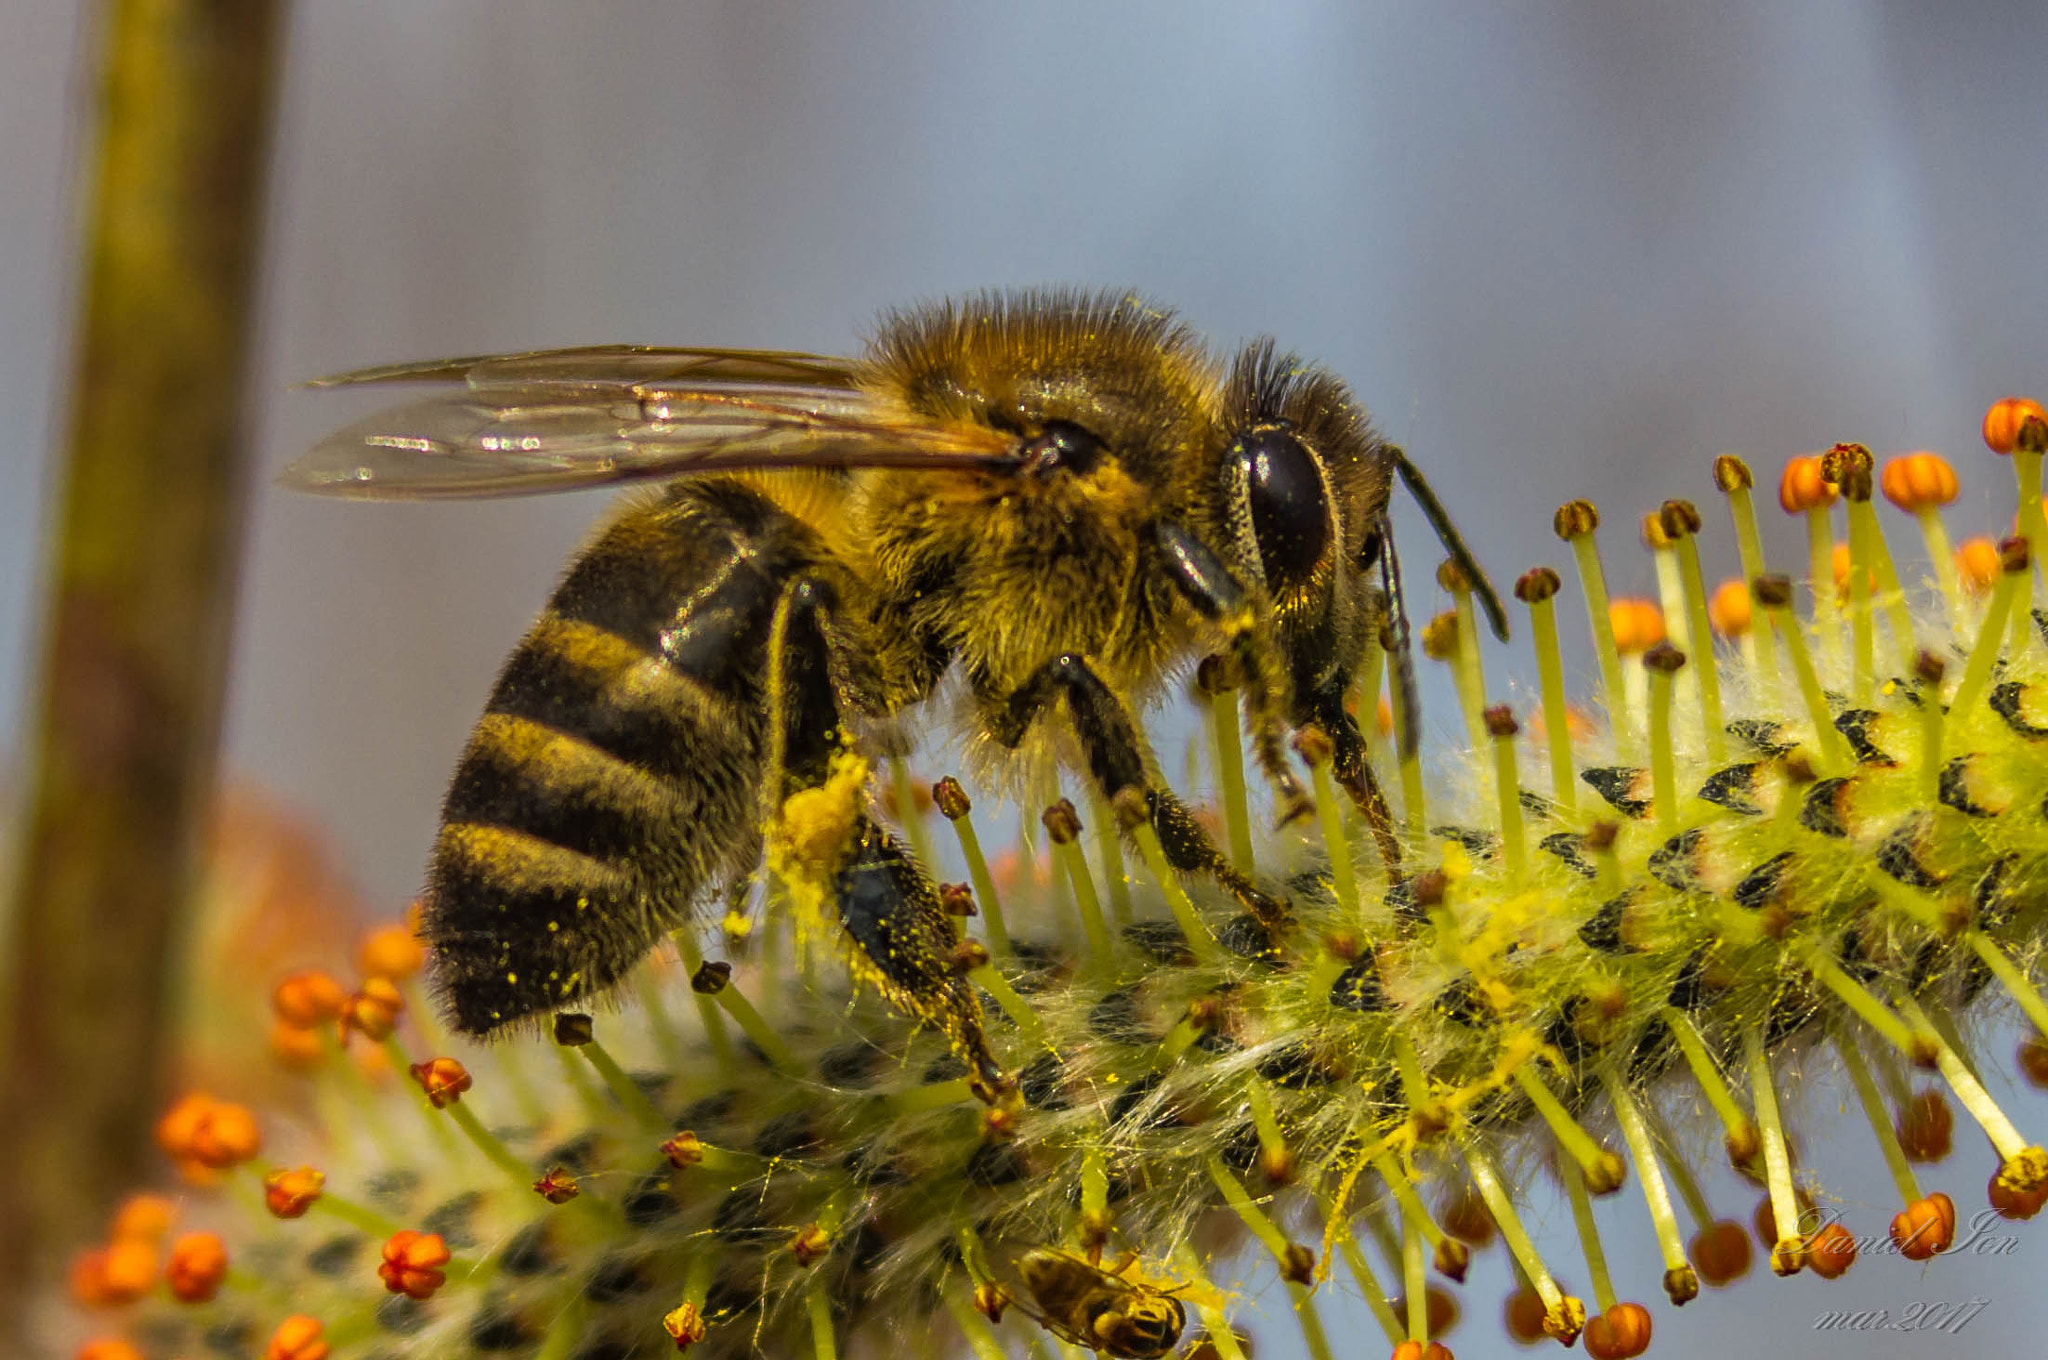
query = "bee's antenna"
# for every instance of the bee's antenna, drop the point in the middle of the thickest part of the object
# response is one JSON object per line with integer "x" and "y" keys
{"x": 1398, "y": 642}
{"x": 1454, "y": 543}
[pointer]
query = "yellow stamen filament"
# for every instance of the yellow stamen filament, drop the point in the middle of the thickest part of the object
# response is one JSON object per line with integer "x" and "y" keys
{"x": 1969, "y": 1091}
{"x": 1663, "y": 764}
{"x": 1701, "y": 632}
{"x": 1507, "y": 789}
{"x": 818, "y": 1304}
{"x": 740, "y": 1009}
{"x": 1739, "y": 1126}
{"x": 1984, "y": 652}
{"x": 1593, "y": 582}
{"x": 1213, "y": 1319}
{"x": 986, "y": 900}
{"x": 1368, "y": 1284}
{"x": 1487, "y": 1181}
{"x": 1201, "y": 943}
{"x": 1826, "y": 739}
{"x": 1777, "y": 1160}
{"x": 1642, "y": 1149}
{"x": 1596, "y": 1161}
{"x": 1413, "y": 1282}
{"x": 1880, "y": 1120}
{"x": 1343, "y": 877}
{"x": 1014, "y": 1005}
{"x": 1237, "y": 817}
{"x": 1111, "y": 854}
{"x": 1275, "y": 1241}
{"x": 1093, "y": 928}
{"x": 1862, "y": 625}
{"x": 1867, "y": 1007}
{"x": 1557, "y": 732}
{"x": 1589, "y": 1233}
{"x": 630, "y": 1096}
{"x": 2010, "y": 977}
{"x": 1749, "y": 543}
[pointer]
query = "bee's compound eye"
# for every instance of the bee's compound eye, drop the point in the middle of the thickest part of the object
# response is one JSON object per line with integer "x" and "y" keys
{"x": 1290, "y": 518}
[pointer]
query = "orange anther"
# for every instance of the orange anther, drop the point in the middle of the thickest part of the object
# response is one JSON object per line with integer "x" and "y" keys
{"x": 298, "y": 1337}
{"x": 1467, "y": 1219}
{"x": 295, "y": 1046}
{"x": 1831, "y": 1251}
{"x": 1638, "y": 624}
{"x": 198, "y": 1264}
{"x": 1977, "y": 564}
{"x": 176, "y": 1126}
{"x": 1620, "y": 1333}
{"x": 1422, "y": 1350}
{"x": 1721, "y": 1252}
{"x": 1918, "y": 481}
{"x": 373, "y": 1009}
{"x": 1802, "y": 488}
{"x": 1925, "y": 1227}
{"x": 684, "y": 1149}
{"x": 1925, "y": 1125}
{"x": 1729, "y": 609}
{"x": 107, "y": 1348}
{"x": 129, "y": 1269}
{"x": 144, "y": 1217}
{"x": 87, "y": 1280}
{"x": 1522, "y": 1315}
{"x": 308, "y": 997}
{"x": 288, "y": 1194}
{"x": 412, "y": 1264}
{"x": 392, "y": 952}
{"x": 2032, "y": 1056}
{"x": 443, "y": 1079}
{"x": 2007, "y": 419}
{"x": 227, "y": 1136}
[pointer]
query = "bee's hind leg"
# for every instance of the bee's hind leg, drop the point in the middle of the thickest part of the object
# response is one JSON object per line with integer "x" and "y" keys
{"x": 888, "y": 906}
{"x": 1109, "y": 740}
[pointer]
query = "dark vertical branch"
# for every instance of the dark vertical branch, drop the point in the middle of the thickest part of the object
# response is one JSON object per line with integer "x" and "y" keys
{"x": 142, "y": 582}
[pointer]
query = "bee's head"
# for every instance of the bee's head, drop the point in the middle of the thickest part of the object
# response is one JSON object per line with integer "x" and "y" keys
{"x": 1303, "y": 477}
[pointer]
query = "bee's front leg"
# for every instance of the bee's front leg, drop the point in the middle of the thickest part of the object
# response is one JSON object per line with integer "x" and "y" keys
{"x": 1109, "y": 740}
{"x": 1206, "y": 584}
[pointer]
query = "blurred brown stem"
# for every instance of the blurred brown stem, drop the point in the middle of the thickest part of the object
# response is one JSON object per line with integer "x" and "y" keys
{"x": 142, "y": 582}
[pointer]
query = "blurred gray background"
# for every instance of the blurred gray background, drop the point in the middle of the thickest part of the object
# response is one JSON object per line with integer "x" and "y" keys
{"x": 1560, "y": 249}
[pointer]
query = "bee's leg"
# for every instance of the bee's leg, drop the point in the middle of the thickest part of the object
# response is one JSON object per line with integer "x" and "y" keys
{"x": 1354, "y": 774}
{"x": 1216, "y": 595}
{"x": 889, "y": 908}
{"x": 1110, "y": 741}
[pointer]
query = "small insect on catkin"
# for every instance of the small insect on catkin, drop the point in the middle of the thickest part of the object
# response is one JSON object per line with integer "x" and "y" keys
{"x": 1596, "y": 934}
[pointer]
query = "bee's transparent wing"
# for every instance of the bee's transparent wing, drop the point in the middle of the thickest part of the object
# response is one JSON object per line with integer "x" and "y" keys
{"x": 562, "y": 419}
{"x": 613, "y": 368}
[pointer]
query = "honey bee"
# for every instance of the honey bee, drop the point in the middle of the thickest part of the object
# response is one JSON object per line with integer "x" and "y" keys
{"x": 1085, "y": 1305}
{"x": 1048, "y": 495}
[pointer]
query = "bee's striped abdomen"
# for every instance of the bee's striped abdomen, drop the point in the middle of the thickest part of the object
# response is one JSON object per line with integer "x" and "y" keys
{"x": 614, "y": 777}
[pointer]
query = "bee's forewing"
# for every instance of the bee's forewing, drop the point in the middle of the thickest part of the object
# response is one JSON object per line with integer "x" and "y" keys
{"x": 503, "y": 434}
{"x": 612, "y": 368}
